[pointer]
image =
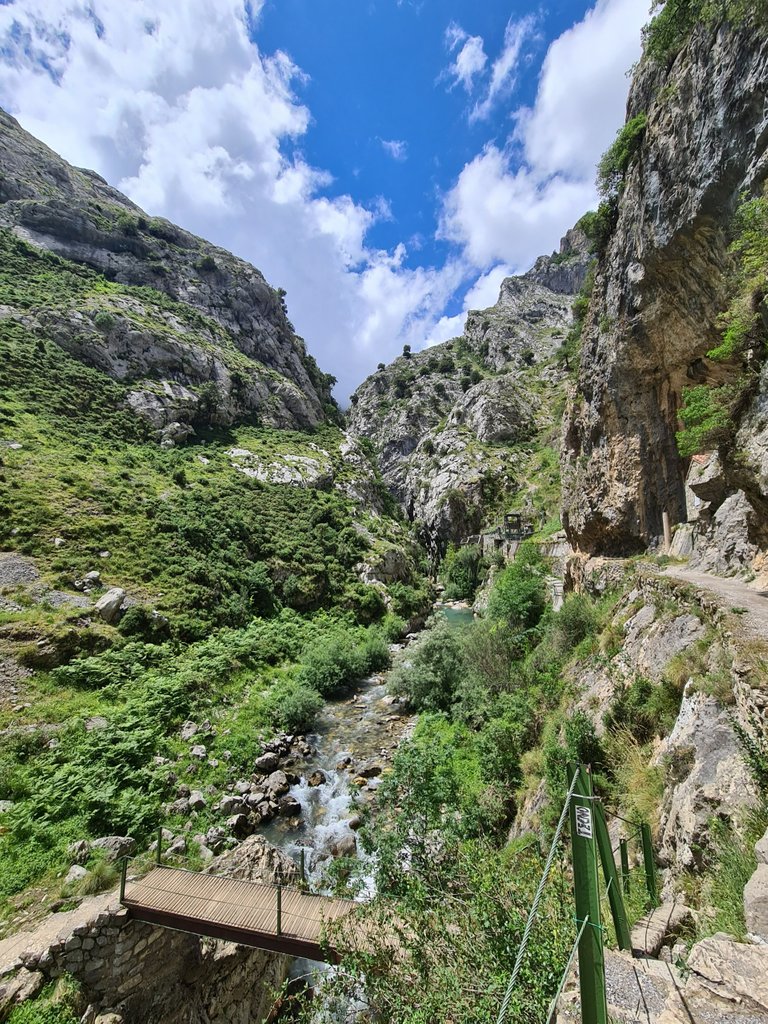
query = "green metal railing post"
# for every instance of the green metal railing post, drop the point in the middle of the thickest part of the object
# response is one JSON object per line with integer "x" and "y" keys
{"x": 279, "y": 909}
{"x": 615, "y": 897}
{"x": 159, "y": 849}
{"x": 624, "y": 864}
{"x": 650, "y": 867}
{"x": 594, "y": 1008}
{"x": 123, "y": 874}
{"x": 303, "y": 867}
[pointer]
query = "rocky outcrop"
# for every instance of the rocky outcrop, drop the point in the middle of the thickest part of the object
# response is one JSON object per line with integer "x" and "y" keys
{"x": 450, "y": 424}
{"x": 198, "y": 334}
{"x": 659, "y": 289}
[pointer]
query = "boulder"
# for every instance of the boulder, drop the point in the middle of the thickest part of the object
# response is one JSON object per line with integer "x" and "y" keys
{"x": 369, "y": 771}
{"x": 344, "y": 846}
{"x": 109, "y": 606}
{"x": 761, "y": 849}
{"x": 267, "y": 763}
{"x": 232, "y": 805}
{"x": 650, "y": 932}
{"x": 277, "y": 783}
{"x": 115, "y": 847}
{"x": 706, "y": 777}
{"x": 75, "y": 874}
{"x": 289, "y": 807}
{"x": 756, "y": 903}
{"x": 188, "y": 730}
{"x": 256, "y": 860}
{"x": 735, "y": 971}
{"x": 23, "y": 985}
{"x": 197, "y": 801}
{"x": 199, "y": 752}
{"x": 317, "y": 778}
{"x": 240, "y": 825}
{"x": 80, "y": 851}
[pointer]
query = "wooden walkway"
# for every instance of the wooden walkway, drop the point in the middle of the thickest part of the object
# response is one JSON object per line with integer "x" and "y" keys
{"x": 238, "y": 911}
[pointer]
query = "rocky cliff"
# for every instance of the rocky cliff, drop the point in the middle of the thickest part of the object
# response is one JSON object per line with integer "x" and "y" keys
{"x": 462, "y": 427}
{"x": 662, "y": 283}
{"x": 197, "y": 333}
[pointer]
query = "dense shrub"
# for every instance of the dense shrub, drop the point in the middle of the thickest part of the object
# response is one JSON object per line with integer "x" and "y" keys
{"x": 615, "y": 162}
{"x": 341, "y": 657}
{"x": 292, "y": 706}
{"x": 519, "y": 595}
{"x": 462, "y": 572}
{"x": 668, "y": 31}
{"x": 430, "y": 673}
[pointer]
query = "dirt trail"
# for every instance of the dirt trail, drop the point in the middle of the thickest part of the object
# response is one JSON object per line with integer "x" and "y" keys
{"x": 750, "y": 605}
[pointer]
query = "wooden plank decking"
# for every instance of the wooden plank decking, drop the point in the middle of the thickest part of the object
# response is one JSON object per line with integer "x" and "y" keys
{"x": 235, "y": 910}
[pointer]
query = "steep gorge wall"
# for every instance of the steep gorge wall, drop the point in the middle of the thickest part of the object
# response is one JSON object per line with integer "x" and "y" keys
{"x": 660, "y": 286}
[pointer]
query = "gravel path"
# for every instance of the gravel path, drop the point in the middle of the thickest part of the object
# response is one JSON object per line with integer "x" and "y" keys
{"x": 735, "y": 595}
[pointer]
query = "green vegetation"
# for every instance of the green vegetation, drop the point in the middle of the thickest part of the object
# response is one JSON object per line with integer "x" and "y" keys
{"x": 58, "y": 1003}
{"x": 462, "y": 572}
{"x": 247, "y": 605}
{"x": 669, "y": 30}
{"x": 569, "y": 350}
{"x": 709, "y": 413}
{"x": 616, "y": 160}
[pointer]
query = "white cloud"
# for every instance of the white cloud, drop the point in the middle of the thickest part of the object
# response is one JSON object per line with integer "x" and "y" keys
{"x": 512, "y": 203}
{"x": 396, "y": 148}
{"x": 470, "y": 60}
{"x": 204, "y": 128}
{"x": 483, "y": 293}
{"x": 195, "y": 125}
{"x": 504, "y": 68}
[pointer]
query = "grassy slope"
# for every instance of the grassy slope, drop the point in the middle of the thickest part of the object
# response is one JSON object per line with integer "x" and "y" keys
{"x": 243, "y": 575}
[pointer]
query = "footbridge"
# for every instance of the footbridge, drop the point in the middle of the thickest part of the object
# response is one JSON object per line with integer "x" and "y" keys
{"x": 280, "y": 918}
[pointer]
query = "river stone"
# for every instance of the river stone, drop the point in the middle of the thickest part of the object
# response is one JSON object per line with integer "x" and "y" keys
{"x": 369, "y": 771}
{"x": 289, "y": 807}
{"x": 317, "y": 778}
{"x": 277, "y": 783}
{"x": 240, "y": 825}
{"x": 266, "y": 763}
{"x": 345, "y": 846}
{"x": 232, "y": 805}
{"x": 256, "y": 860}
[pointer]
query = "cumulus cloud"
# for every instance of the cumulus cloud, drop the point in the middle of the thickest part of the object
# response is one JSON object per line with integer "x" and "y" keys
{"x": 483, "y": 293}
{"x": 511, "y": 202}
{"x": 204, "y": 128}
{"x": 470, "y": 60}
{"x": 395, "y": 148}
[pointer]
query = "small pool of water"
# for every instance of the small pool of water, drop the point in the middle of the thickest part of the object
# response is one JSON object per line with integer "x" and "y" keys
{"x": 455, "y": 615}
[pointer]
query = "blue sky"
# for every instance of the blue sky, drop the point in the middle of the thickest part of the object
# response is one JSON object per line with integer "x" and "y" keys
{"x": 388, "y": 162}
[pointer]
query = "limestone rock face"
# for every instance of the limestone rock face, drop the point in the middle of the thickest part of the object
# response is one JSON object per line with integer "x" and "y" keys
{"x": 706, "y": 777}
{"x": 659, "y": 289}
{"x": 222, "y": 350}
{"x": 449, "y": 424}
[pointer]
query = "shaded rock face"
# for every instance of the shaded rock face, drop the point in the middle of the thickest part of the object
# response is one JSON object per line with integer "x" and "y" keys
{"x": 438, "y": 418}
{"x": 659, "y": 288}
{"x": 234, "y": 335}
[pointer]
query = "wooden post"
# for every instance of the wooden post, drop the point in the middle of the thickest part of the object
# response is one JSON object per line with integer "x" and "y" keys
{"x": 624, "y": 864}
{"x": 594, "y": 1008}
{"x": 667, "y": 532}
{"x": 303, "y": 867}
{"x": 650, "y": 867}
{"x": 123, "y": 873}
{"x": 279, "y": 909}
{"x": 615, "y": 897}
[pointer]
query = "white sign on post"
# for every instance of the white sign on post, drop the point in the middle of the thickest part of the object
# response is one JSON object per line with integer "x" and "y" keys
{"x": 584, "y": 822}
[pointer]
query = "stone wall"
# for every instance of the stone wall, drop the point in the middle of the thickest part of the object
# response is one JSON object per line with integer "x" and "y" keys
{"x": 136, "y": 973}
